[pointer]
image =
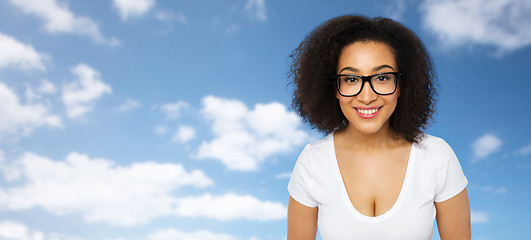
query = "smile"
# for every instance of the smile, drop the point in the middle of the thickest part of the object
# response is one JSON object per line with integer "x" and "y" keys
{"x": 367, "y": 112}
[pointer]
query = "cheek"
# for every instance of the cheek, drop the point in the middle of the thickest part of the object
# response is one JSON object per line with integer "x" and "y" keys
{"x": 345, "y": 105}
{"x": 343, "y": 101}
{"x": 392, "y": 100}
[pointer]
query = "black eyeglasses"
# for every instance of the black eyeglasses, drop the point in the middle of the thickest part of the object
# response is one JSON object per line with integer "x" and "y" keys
{"x": 350, "y": 85}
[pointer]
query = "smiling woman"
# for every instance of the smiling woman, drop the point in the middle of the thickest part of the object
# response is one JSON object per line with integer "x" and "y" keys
{"x": 368, "y": 84}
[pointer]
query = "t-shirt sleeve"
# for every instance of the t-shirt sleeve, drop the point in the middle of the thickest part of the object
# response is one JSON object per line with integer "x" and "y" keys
{"x": 299, "y": 185}
{"x": 452, "y": 180}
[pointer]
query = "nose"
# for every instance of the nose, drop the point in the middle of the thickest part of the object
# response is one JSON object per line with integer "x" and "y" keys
{"x": 367, "y": 95}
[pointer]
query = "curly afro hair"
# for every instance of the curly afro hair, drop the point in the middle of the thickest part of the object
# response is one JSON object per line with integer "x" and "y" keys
{"x": 315, "y": 63}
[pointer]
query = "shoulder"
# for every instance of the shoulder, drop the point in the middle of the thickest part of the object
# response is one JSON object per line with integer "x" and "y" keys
{"x": 317, "y": 150}
{"x": 433, "y": 144}
{"x": 324, "y": 144}
{"x": 434, "y": 151}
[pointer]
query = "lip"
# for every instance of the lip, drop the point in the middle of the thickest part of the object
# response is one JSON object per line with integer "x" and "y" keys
{"x": 367, "y": 116}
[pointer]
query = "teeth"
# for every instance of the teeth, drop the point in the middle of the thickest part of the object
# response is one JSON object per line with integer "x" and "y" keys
{"x": 367, "y": 111}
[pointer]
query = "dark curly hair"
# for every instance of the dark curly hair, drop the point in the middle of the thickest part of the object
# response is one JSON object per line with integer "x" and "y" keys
{"x": 315, "y": 63}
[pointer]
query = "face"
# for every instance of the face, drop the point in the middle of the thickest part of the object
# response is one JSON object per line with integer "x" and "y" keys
{"x": 367, "y": 112}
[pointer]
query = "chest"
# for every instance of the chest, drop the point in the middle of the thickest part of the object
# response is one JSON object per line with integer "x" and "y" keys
{"x": 358, "y": 201}
{"x": 373, "y": 182}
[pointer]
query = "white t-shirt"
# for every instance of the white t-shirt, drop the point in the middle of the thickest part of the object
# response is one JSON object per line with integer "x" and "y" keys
{"x": 433, "y": 175}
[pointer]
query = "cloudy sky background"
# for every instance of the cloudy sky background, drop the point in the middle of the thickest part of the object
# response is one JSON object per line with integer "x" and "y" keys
{"x": 145, "y": 119}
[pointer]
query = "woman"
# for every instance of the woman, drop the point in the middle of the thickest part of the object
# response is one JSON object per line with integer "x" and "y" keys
{"x": 368, "y": 84}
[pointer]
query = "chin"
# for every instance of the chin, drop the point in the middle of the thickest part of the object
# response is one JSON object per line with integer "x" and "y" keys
{"x": 367, "y": 129}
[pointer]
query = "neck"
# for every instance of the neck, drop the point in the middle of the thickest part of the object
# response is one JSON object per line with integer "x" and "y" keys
{"x": 381, "y": 139}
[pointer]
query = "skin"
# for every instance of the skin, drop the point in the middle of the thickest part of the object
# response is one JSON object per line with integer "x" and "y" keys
{"x": 373, "y": 179}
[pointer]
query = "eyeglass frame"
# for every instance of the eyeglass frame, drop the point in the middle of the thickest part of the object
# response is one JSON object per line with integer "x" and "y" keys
{"x": 366, "y": 79}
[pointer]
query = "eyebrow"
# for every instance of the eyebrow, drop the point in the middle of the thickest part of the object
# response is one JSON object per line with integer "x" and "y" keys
{"x": 374, "y": 69}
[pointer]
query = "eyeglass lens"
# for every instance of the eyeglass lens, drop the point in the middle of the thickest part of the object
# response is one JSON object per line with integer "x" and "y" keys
{"x": 381, "y": 84}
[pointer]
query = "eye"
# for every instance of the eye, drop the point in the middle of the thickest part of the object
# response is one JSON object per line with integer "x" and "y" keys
{"x": 350, "y": 79}
{"x": 382, "y": 78}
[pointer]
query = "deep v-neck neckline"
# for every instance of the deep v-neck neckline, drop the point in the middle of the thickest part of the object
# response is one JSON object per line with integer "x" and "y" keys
{"x": 346, "y": 197}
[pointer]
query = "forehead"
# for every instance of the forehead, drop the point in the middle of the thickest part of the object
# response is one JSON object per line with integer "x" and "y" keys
{"x": 366, "y": 56}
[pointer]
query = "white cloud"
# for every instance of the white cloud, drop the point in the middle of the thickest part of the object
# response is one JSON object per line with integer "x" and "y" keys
{"x": 495, "y": 190}
{"x": 172, "y": 234}
{"x": 13, "y": 230}
{"x": 101, "y": 191}
{"x": 525, "y": 150}
{"x": 485, "y": 145}
{"x": 129, "y": 104}
{"x": 479, "y": 217}
{"x": 169, "y": 17}
{"x": 284, "y": 175}
{"x": 33, "y": 94}
{"x": 503, "y": 24}
{"x": 21, "y": 119}
{"x": 173, "y": 110}
{"x": 230, "y": 207}
{"x": 232, "y": 29}
{"x": 46, "y": 87}
{"x": 59, "y": 19}
{"x": 133, "y": 8}
{"x": 243, "y": 137}
{"x": 160, "y": 130}
{"x": 80, "y": 95}
{"x": 396, "y": 9}
{"x": 256, "y": 9}
{"x": 98, "y": 189}
{"x": 184, "y": 134}
{"x": 10, "y": 230}
{"x": 19, "y": 55}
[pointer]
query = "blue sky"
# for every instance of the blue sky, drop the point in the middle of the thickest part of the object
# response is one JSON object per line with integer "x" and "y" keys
{"x": 145, "y": 119}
